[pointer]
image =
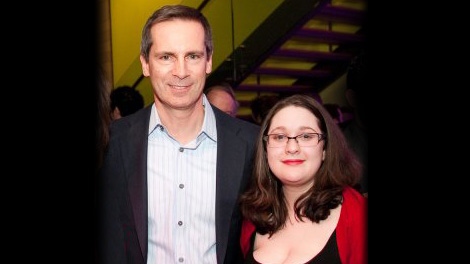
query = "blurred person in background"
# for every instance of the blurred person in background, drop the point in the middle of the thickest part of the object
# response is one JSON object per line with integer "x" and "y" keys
{"x": 335, "y": 111}
{"x": 355, "y": 130}
{"x": 261, "y": 105}
{"x": 125, "y": 100}
{"x": 103, "y": 118}
{"x": 223, "y": 97}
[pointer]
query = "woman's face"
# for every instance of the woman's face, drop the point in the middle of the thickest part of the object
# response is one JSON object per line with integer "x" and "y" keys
{"x": 295, "y": 164}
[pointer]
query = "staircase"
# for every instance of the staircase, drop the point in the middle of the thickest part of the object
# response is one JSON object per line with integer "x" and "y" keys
{"x": 302, "y": 47}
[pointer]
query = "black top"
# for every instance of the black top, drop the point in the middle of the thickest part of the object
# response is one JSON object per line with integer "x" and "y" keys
{"x": 329, "y": 254}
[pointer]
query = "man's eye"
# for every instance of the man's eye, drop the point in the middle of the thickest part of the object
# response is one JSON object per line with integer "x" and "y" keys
{"x": 193, "y": 57}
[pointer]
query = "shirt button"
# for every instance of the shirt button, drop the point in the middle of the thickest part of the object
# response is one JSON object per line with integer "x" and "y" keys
{"x": 181, "y": 186}
{"x": 180, "y": 223}
{"x": 181, "y": 149}
{"x": 181, "y": 259}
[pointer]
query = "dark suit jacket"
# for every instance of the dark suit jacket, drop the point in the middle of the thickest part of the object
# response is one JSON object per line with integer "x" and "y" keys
{"x": 123, "y": 188}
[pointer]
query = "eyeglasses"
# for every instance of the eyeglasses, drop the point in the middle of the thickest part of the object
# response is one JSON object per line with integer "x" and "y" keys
{"x": 304, "y": 139}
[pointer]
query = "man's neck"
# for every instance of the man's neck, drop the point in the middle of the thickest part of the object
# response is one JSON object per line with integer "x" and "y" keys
{"x": 183, "y": 125}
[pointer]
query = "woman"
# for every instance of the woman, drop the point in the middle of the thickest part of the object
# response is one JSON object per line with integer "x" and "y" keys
{"x": 103, "y": 117}
{"x": 301, "y": 202}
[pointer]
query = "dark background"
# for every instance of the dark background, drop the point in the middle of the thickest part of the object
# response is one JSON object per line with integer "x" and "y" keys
{"x": 49, "y": 58}
{"x": 50, "y": 51}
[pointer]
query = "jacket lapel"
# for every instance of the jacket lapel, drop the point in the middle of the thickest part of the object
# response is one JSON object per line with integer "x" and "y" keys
{"x": 136, "y": 145}
{"x": 230, "y": 163}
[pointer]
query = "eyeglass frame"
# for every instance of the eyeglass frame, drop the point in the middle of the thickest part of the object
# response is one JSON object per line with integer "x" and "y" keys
{"x": 319, "y": 135}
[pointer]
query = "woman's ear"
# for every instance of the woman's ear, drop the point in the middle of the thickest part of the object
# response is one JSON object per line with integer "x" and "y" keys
{"x": 323, "y": 155}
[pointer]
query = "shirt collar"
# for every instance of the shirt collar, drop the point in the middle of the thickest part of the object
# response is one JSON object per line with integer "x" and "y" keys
{"x": 208, "y": 126}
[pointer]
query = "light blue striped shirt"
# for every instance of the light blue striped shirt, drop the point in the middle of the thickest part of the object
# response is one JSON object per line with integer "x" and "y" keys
{"x": 181, "y": 194}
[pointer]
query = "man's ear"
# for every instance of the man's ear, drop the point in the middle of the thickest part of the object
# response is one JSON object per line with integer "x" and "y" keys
{"x": 209, "y": 65}
{"x": 145, "y": 66}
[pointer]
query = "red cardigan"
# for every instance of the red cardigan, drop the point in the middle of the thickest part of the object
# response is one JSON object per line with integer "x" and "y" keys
{"x": 351, "y": 231}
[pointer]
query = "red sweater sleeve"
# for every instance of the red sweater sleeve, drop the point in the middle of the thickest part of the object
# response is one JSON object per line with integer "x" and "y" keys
{"x": 247, "y": 230}
{"x": 351, "y": 231}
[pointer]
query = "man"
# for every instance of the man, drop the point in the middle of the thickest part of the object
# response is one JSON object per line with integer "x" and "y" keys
{"x": 261, "y": 105}
{"x": 222, "y": 96}
{"x": 173, "y": 171}
{"x": 356, "y": 130}
{"x": 125, "y": 100}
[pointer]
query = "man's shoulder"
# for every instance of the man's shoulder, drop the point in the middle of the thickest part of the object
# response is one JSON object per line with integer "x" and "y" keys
{"x": 244, "y": 125}
{"x": 234, "y": 127}
{"x": 132, "y": 121}
{"x": 233, "y": 122}
{"x": 248, "y": 125}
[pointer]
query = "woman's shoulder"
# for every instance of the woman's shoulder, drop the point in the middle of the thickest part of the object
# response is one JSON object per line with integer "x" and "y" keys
{"x": 354, "y": 204}
{"x": 351, "y": 195}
